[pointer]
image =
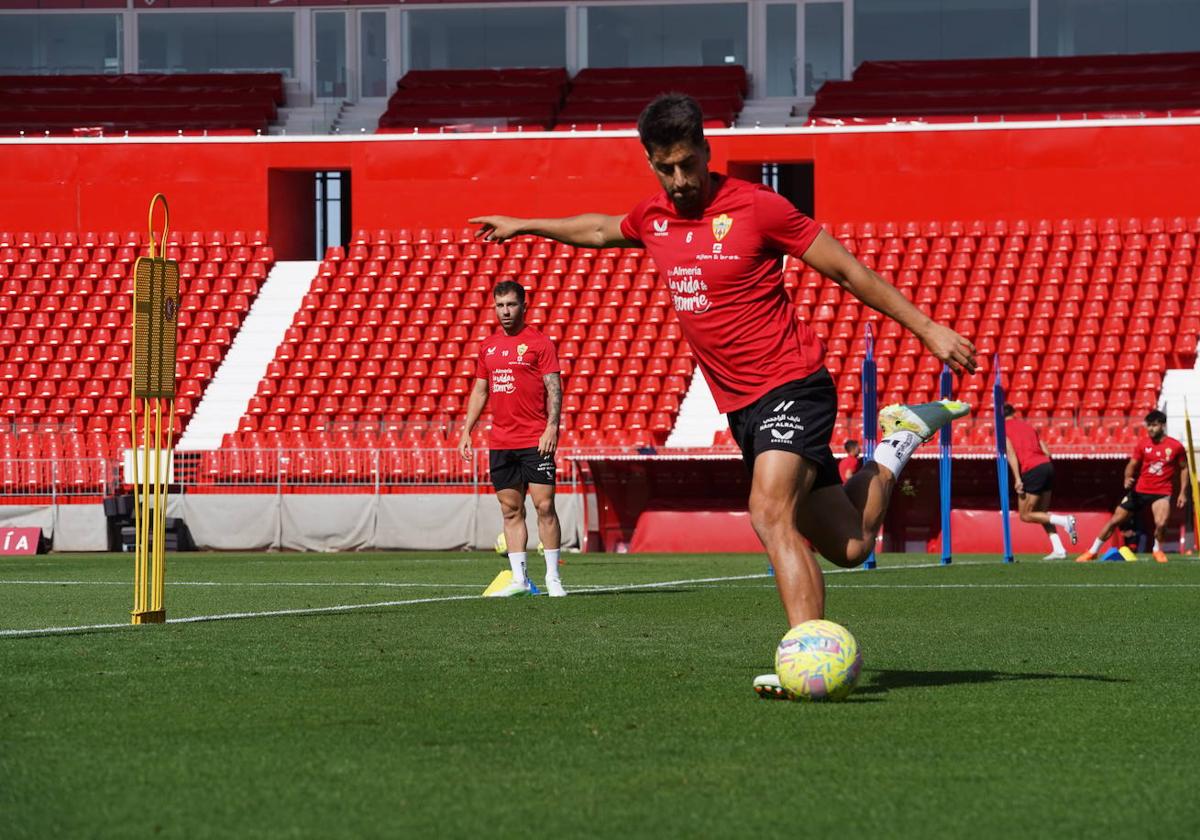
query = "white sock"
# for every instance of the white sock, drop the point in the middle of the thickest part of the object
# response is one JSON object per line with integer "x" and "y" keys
{"x": 894, "y": 450}
{"x": 552, "y": 563}
{"x": 1096, "y": 546}
{"x": 516, "y": 559}
{"x": 1058, "y": 520}
{"x": 1157, "y": 547}
{"x": 1056, "y": 544}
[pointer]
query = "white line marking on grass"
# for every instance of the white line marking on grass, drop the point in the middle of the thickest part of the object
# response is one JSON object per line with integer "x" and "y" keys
{"x": 343, "y": 608}
{"x": 238, "y": 584}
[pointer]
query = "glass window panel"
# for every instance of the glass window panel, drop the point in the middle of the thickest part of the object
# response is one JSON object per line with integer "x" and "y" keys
{"x": 372, "y": 29}
{"x": 916, "y": 29}
{"x": 822, "y": 44}
{"x": 1090, "y": 27}
{"x": 467, "y": 39}
{"x": 216, "y": 42}
{"x": 781, "y": 50}
{"x": 75, "y": 43}
{"x": 330, "y": 53}
{"x": 666, "y": 36}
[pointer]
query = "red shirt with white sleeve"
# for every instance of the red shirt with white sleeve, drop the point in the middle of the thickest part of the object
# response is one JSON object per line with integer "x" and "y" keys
{"x": 724, "y": 269}
{"x": 513, "y": 367}
{"x": 1160, "y": 461}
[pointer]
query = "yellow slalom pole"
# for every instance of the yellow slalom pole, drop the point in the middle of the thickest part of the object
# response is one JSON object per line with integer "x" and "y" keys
{"x": 155, "y": 329}
{"x": 1192, "y": 478}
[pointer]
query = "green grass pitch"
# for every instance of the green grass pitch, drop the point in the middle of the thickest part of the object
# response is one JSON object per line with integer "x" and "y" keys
{"x": 1033, "y": 699}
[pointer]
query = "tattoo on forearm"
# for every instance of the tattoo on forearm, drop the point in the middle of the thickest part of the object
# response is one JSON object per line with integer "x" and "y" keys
{"x": 553, "y": 398}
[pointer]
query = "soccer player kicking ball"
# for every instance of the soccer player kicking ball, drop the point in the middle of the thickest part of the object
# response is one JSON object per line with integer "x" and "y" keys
{"x": 1149, "y": 479}
{"x": 1033, "y": 476}
{"x": 719, "y": 245}
{"x": 518, "y": 367}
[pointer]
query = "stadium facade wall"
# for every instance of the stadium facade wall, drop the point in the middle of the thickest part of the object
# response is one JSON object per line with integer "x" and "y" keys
{"x": 309, "y": 522}
{"x": 987, "y": 171}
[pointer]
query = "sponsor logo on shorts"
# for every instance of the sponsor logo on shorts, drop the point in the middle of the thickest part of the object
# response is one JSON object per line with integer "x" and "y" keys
{"x": 782, "y": 426}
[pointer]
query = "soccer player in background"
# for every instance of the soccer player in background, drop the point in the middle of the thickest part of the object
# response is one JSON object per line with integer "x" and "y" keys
{"x": 518, "y": 368}
{"x": 719, "y": 244}
{"x": 849, "y": 465}
{"x": 1033, "y": 475}
{"x": 1149, "y": 482}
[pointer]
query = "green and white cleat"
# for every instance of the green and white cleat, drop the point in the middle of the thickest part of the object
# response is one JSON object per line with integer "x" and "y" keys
{"x": 767, "y": 687}
{"x": 510, "y": 591}
{"x": 923, "y": 419}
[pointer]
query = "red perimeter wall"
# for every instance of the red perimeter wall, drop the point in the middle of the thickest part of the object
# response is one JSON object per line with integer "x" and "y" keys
{"x": 1129, "y": 169}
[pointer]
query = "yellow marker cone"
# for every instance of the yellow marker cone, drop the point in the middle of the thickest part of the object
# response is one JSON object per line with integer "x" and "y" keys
{"x": 502, "y": 580}
{"x": 1127, "y": 552}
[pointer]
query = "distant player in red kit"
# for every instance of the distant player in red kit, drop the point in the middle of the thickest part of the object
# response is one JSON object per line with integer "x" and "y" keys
{"x": 849, "y": 465}
{"x": 1149, "y": 482}
{"x": 719, "y": 244}
{"x": 518, "y": 368}
{"x": 1033, "y": 476}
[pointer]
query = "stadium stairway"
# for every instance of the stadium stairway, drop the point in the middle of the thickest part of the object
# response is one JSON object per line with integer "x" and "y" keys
{"x": 698, "y": 422}
{"x": 1180, "y": 385}
{"x": 235, "y": 382}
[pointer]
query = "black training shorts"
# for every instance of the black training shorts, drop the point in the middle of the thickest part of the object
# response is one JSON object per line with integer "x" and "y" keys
{"x": 1135, "y": 501}
{"x": 798, "y": 416}
{"x": 1039, "y": 480}
{"x": 513, "y": 469}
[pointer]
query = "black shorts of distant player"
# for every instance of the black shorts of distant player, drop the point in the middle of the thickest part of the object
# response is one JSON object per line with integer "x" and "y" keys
{"x": 1038, "y": 480}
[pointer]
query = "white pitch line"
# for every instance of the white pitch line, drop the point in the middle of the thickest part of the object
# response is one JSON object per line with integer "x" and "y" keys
{"x": 342, "y": 608}
{"x": 238, "y": 585}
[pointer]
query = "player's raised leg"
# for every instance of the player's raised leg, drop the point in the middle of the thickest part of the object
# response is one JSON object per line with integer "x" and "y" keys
{"x": 843, "y": 522}
{"x": 550, "y": 533}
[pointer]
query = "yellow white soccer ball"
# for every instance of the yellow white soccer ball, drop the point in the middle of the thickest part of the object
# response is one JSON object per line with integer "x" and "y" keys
{"x": 818, "y": 660}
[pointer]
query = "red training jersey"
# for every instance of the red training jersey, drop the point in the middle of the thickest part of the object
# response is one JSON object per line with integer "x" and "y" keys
{"x": 513, "y": 367}
{"x": 1025, "y": 443}
{"x": 848, "y": 466}
{"x": 724, "y": 269}
{"x": 1160, "y": 461}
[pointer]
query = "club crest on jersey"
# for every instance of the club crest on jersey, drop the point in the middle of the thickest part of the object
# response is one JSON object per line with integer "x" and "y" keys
{"x": 721, "y": 226}
{"x": 521, "y": 348}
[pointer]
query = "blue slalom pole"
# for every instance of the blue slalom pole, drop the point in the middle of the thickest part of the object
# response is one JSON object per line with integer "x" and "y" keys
{"x": 945, "y": 440}
{"x": 870, "y": 413}
{"x": 1002, "y": 460}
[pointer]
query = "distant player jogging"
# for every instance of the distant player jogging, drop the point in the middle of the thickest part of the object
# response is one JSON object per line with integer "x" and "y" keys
{"x": 518, "y": 372}
{"x": 1033, "y": 476}
{"x": 1149, "y": 483}
{"x": 719, "y": 244}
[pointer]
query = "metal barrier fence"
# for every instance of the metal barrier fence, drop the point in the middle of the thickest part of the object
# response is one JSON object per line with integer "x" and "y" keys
{"x": 49, "y": 476}
{"x": 34, "y": 469}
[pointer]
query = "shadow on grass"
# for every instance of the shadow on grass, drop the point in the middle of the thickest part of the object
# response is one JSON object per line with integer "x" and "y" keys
{"x": 881, "y": 682}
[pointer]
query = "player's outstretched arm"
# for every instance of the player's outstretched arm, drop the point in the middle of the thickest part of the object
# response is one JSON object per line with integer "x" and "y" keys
{"x": 1013, "y": 465}
{"x": 1131, "y": 471}
{"x": 475, "y": 404}
{"x": 828, "y": 256}
{"x": 588, "y": 230}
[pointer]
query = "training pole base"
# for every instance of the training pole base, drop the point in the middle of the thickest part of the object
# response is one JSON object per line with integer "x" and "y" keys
{"x": 148, "y": 617}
